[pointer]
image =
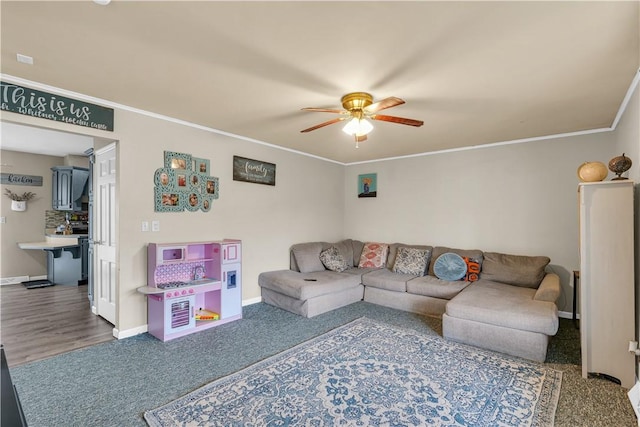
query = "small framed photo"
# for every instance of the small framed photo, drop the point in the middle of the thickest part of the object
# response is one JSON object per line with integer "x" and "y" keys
{"x": 211, "y": 186}
{"x": 168, "y": 200}
{"x": 181, "y": 180}
{"x": 193, "y": 202}
{"x": 201, "y": 166}
{"x": 368, "y": 185}
{"x": 194, "y": 181}
{"x": 206, "y": 204}
{"x": 175, "y": 160}
{"x": 164, "y": 177}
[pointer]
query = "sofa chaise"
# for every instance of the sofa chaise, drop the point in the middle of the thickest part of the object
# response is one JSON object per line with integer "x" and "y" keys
{"x": 497, "y": 301}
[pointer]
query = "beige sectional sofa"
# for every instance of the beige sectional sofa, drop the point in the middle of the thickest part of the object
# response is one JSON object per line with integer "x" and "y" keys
{"x": 510, "y": 308}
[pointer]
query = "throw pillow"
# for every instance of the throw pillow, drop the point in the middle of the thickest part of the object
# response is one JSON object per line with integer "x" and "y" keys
{"x": 307, "y": 256}
{"x": 473, "y": 269}
{"x": 333, "y": 260}
{"x": 517, "y": 270}
{"x": 411, "y": 261}
{"x": 450, "y": 267}
{"x": 374, "y": 255}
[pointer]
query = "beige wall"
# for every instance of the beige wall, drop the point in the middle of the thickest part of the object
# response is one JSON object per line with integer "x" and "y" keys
{"x": 518, "y": 199}
{"x": 27, "y": 226}
{"x": 305, "y": 204}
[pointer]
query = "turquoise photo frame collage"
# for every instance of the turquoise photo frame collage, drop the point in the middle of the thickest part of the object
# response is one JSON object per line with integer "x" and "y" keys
{"x": 184, "y": 183}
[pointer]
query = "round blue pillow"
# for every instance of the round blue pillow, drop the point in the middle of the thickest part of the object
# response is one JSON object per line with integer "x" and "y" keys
{"x": 450, "y": 266}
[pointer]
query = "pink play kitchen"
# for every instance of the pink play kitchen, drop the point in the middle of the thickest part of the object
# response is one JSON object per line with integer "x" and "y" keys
{"x": 192, "y": 286}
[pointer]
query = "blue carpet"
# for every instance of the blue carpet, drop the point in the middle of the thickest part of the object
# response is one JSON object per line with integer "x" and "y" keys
{"x": 368, "y": 373}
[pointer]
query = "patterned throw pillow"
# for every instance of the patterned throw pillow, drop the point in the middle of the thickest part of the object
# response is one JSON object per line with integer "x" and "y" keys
{"x": 374, "y": 255}
{"x": 411, "y": 261}
{"x": 473, "y": 269}
{"x": 333, "y": 260}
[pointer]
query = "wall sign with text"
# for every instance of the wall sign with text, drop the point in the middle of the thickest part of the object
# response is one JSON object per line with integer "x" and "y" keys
{"x": 35, "y": 103}
{"x": 256, "y": 171}
{"x": 17, "y": 179}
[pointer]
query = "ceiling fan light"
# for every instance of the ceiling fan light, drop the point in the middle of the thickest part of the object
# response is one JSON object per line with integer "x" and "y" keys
{"x": 358, "y": 127}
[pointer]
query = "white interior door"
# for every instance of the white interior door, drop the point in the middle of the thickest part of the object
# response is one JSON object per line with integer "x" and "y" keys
{"x": 105, "y": 233}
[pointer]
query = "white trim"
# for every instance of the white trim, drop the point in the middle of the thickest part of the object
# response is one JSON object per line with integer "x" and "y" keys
{"x": 251, "y": 301}
{"x": 41, "y": 86}
{"x": 627, "y": 97}
{"x": 567, "y": 315}
{"x": 490, "y": 145}
{"x": 129, "y": 332}
{"x": 13, "y": 280}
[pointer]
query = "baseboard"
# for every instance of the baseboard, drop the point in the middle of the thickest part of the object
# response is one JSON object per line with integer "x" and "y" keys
{"x": 19, "y": 279}
{"x": 13, "y": 280}
{"x": 251, "y": 301}
{"x": 567, "y": 315}
{"x": 129, "y": 332}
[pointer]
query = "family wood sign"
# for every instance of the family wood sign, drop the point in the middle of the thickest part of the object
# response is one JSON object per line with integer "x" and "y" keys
{"x": 256, "y": 171}
{"x": 35, "y": 103}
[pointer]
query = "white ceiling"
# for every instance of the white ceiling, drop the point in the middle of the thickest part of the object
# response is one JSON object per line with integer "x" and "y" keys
{"x": 15, "y": 137}
{"x": 474, "y": 72}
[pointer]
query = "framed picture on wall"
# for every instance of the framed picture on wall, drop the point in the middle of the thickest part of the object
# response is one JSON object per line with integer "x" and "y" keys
{"x": 368, "y": 185}
{"x": 175, "y": 160}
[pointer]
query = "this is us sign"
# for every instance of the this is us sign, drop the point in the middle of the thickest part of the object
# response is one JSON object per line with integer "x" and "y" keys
{"x": 35, "y": 103}
{"x": 255, "y": 171}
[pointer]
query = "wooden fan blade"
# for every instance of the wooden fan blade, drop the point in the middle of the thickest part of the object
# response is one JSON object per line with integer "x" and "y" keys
{"x": 360, "y": 138}
{"x": 400, "y": 120}
{"x": 392, "y": 101}
{"x": 327, "y": 123}
{"x": 325, "y": 110}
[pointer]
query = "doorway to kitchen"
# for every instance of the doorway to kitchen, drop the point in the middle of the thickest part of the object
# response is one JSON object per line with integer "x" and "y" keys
{"x": 64, "y": 317}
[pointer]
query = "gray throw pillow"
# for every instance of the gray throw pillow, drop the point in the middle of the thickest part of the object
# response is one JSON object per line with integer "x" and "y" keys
{"x": 333, "y": 260}
{"x": 517, "y": 270}
{"x": 411, "y": 261}
{"x": 308, "y": 257}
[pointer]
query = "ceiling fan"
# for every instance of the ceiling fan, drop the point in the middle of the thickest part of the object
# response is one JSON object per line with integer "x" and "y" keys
{"x": 357, "y": 108}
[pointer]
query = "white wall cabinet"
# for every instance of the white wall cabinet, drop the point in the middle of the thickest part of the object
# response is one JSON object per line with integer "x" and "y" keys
{"x": 607, "y": 297}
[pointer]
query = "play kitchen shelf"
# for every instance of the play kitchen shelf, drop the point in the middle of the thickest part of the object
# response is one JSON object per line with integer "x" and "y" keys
{"x": 192, "y": 286}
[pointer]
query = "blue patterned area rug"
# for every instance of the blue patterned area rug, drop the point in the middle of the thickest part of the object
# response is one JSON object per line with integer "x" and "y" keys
{"x": 367, "y": 373}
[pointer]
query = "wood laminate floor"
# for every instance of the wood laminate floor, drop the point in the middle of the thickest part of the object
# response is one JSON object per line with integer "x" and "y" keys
{"x": 43, "y": 322}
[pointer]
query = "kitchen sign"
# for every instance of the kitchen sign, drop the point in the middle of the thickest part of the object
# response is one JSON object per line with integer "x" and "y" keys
{"x": 17, "y": 179}
{"x": 255, "y": 171}
{"x": 34, "y": 103}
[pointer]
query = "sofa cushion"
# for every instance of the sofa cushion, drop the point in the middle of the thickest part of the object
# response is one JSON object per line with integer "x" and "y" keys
{"x": 504, "y": 305}
{"x": 411, "y": 261}
{"x": 307, "y": 256}
{"x": 393, "y": 250}
{"x": 518, "y": 270}
{"x": 333, "y": 260}
{"x": 357, "y": 247}
{"x": 439, "y": 250}
{"x": 346, "y": 250}
{"x": 374, "y": 255}
{"x": 450, "y": 266}
{"x": 437, "y": 288}
{"x": 304, "y": 286}
{"x": 385, "y": 279}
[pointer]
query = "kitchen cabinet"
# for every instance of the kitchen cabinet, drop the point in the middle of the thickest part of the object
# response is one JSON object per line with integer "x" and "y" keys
{"x": 69, "y": 184}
